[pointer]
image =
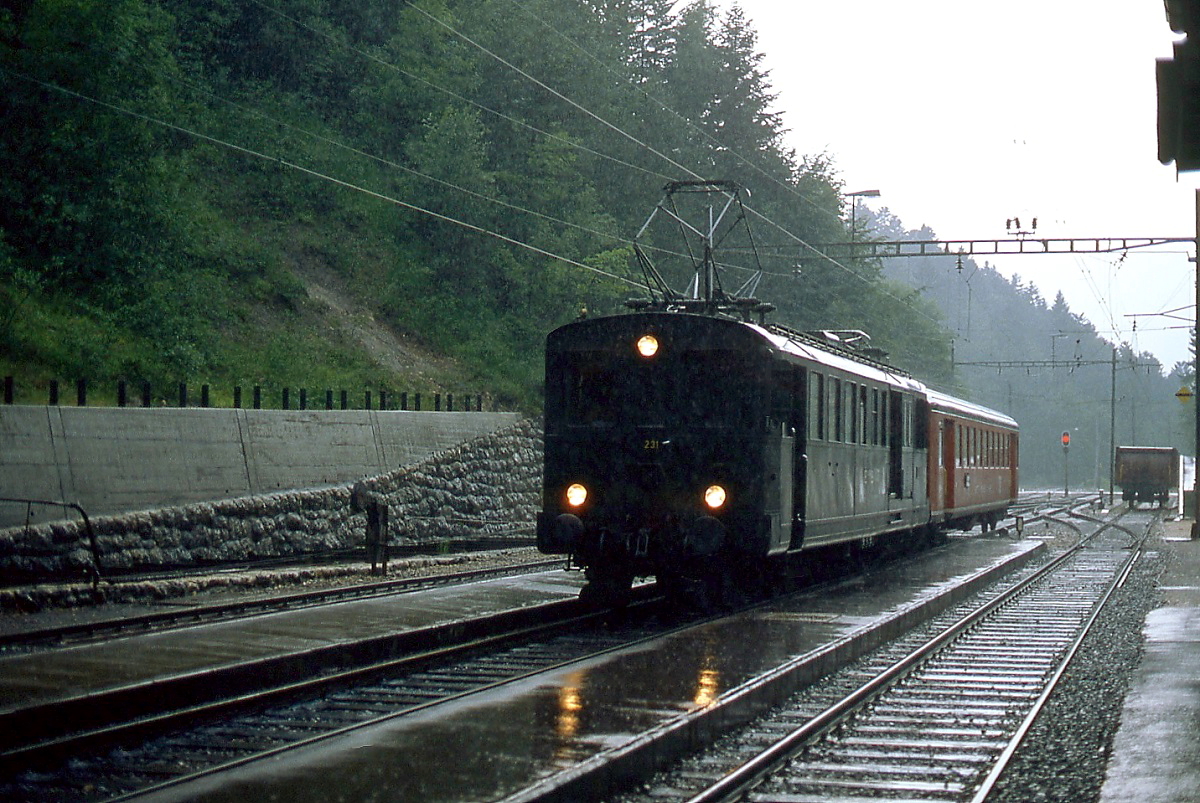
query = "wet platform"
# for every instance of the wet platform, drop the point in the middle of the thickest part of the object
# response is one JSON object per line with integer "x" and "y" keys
{"x": 28, "y": 679}
{"x": 491, "y": 745}
{"x": 1156, "y": 753}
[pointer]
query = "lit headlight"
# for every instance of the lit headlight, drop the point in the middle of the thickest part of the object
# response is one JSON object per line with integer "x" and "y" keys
{"x": 576, "y": 495}
{"x": 647, "y": 345}
{"x": 714, "y": 497}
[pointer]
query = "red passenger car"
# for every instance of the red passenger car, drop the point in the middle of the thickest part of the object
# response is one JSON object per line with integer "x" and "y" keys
{"x": 973, "y": 457}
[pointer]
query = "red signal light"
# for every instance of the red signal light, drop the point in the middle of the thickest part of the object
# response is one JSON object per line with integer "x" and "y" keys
{"x": 1066, "y": 439}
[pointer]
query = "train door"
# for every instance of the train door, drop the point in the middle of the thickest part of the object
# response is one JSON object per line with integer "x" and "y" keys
{"x": 779, "y": 489}
{"x": 787, "y": 431}
{"x": 948, "y": 443}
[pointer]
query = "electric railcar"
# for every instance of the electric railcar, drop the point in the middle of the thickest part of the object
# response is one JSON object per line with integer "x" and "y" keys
{"x": 685, "y": 445}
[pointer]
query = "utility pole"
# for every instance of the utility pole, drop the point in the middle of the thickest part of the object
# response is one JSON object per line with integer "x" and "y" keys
{"x": 1112, "y": 428}
{"x": 1196, "y": 331}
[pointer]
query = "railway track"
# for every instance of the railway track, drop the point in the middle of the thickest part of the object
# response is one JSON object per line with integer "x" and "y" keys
{"x": 83, "y": 632}
{"x": 99, "y": 706}
{"x": 936, "y": 716}
{"x": 125, "y": 760}
{"x": 189, "y": 740}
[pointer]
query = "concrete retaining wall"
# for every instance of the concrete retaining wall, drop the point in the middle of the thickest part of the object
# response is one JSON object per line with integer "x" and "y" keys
{"x": 488, "y": 485}
{"x": 114, "y": 460}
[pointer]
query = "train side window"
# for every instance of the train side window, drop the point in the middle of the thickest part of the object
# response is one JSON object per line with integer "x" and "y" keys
{"x": 863, "y": 424}
{"x": 816, "y": 406}
{"x": 873, "y": 418}
{"x": 908, "y": 423}
{"x": 852, "y": 392}
{"x": 855, "y": 415}
{"x": 837, "y": 417}
{"x": 958, "y": 446}
{"x": 885, "y": 419}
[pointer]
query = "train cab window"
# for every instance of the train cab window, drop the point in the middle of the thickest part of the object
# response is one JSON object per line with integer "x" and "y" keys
{"x": 788, "y": 385}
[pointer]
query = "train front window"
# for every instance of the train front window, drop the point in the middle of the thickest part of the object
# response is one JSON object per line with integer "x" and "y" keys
{"x": 697, "y": 388}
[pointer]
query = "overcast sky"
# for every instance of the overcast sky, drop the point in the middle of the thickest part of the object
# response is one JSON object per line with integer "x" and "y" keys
{"x": 965, "y": 114}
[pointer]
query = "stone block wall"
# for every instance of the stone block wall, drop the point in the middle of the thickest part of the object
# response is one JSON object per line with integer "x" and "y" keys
{"x": 488, "y": 485}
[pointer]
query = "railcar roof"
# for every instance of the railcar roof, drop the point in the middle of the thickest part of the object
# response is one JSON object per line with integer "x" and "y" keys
{"x": 876, "y": 372}
{"x": 1147, "y": 449}
{"x": 950, "y": 404}
{"x": 839, "y": 362}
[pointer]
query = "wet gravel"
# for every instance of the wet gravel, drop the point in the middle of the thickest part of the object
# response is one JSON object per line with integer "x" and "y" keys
{"x": 1065, "y": 755}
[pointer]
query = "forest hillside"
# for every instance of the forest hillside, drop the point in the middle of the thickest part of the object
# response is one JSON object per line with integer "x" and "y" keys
{"x": 392, "y": 195}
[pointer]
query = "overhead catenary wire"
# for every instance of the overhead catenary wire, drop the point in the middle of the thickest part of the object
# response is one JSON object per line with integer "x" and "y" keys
{"x": 287, "y": 163}
{"x": 314, "y": 173}
{"x": 543, "y": 22}
{"x": 452, "y": 94}
{"x": 612, "y": 126}
{"x": 501, "y": 115}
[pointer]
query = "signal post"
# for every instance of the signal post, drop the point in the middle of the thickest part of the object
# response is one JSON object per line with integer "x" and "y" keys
{"x": 1066, "y": 444}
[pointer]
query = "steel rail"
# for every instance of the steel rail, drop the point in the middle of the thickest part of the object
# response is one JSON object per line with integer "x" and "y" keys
{"x": 745, "y": 777}
{"x": 412, "y": 709}
{"x": 1006, "y": 756}
{"x": 142, "y": 709}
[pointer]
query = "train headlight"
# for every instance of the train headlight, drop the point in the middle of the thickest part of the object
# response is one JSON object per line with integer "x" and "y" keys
{"x": 576, "y": 495}
{"x": 714, "y": 497}
{"x": 647, "y": 345}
